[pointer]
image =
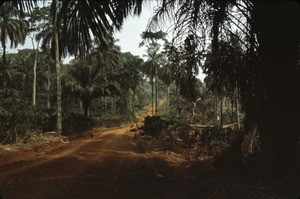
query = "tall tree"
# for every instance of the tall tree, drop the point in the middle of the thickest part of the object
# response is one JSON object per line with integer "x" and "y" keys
{"x": 87, "y": 83}
{"x": 277, "y": 29}
{"x": 11, "y": 28}
{"x": 55, "y": 26}
{"x": 38, "y": 20}
{"x": 154, "y": 62}
{"x": 129, "y": 77}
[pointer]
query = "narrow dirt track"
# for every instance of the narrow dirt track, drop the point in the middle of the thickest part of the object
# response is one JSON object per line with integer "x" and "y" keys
{"x": 109, "y": 165}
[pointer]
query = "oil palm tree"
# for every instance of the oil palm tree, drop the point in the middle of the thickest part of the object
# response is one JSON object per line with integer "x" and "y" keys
{"x": 155, "y": 60}
{"x": 106, "y": 57}
{"x": 151, "y": 67}
{"x": 11, "y": 28}
{"x": 49, "y": 73}
{"x": 6, "y": 76}
{"x": 86, "y": 83}
{"x": 129, "y": 75}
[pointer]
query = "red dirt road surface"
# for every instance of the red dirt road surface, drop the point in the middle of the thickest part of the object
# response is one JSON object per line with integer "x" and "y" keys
{"x": 109, "y": 165}
{"x": 106, "y": 166}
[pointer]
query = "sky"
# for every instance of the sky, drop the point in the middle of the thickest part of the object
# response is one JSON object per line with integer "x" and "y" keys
{"x": 129, "y": 36}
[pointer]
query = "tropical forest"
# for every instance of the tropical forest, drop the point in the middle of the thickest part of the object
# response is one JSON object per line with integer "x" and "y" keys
{"x": 207, "y": 108}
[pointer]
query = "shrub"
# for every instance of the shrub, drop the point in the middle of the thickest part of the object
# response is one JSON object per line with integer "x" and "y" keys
{"x": 114, "y": 120}
{"x": 213, "y": 135}
{"x": 154, "y": 125}
{"x": 17, "y": 118}
{"x": 74, "y": 123}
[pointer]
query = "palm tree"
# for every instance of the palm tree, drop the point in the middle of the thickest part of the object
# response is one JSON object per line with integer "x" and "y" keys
{"x": 222, "y": 67}
{"x": 129, "y": 75}
{"x": 48, "y": 67}
{"x": 11, "y": 28}
{"x": 26, "y": 74}
{"x": 276, "y": 70}
{"x": 150, "y": 68}
{"x": 155, "y": 59}
{"x": 166, "y": 75}
{"x": 86, "y": 83}
{"x": 6, "y": 76}
{"x": 38, "y": 21}
{"x": 107, "y": 57}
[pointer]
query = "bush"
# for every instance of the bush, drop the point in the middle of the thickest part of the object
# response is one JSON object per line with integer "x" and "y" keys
{"x": 154, "y": 125}
{"x": 17, "y": 119}
{"x": 74, "y": 123}
{"x": 213, "y": 135}
{"x": 184, "y": 133}
{"x": 114, "y": 120}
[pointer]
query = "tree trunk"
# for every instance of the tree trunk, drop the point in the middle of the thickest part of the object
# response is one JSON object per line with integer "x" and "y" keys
{"x": 177, "y": 101}
{"x": 217, "y": 109}
{"x": 278, "y": 27}
{"x": 156, "y": 93}
{"x": 3, "y": 42}
{"x": 57, "y": 67}
{"x": 34, "y": 71}
{"x": 133, "y": 101}
{"x": 105, "y": 105}
{"x": 237, "y": 106}
{"x": 232, "y": 102}
{"x": 152, "y": 96}
{"x": 48, "y": 86}
{"x": 221, "y": 111}
{"x": 86, "y": 107}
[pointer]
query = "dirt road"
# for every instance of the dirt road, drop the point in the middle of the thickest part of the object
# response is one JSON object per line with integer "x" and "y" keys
{"x": 113, "y": 164}
{"x": 109, "y": 165}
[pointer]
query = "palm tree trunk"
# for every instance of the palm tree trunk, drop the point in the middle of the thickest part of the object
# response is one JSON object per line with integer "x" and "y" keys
{"x": 48, "y": 86}
{"x": 34, "y": 72}
{"x": 237, "y": 106}
{"x": 217, "y": 109}
{"x": 3, "y": 42}
{"x": 221, "y": 111}
{"x": 34, "y": 80}
{"x": 57, "y": 67}
{"x": 177, "y": 101}
{"x": 133, "y": 100}
{"x": 156, "y": 93}
{"x": 152, "y": 96}
{"x": 232, "y": 102}
{"x": 105, "y": 105}
{"x": 86, "y": 107}
{"x": 277, "y": 23}
{"x": 168, "y": 98}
